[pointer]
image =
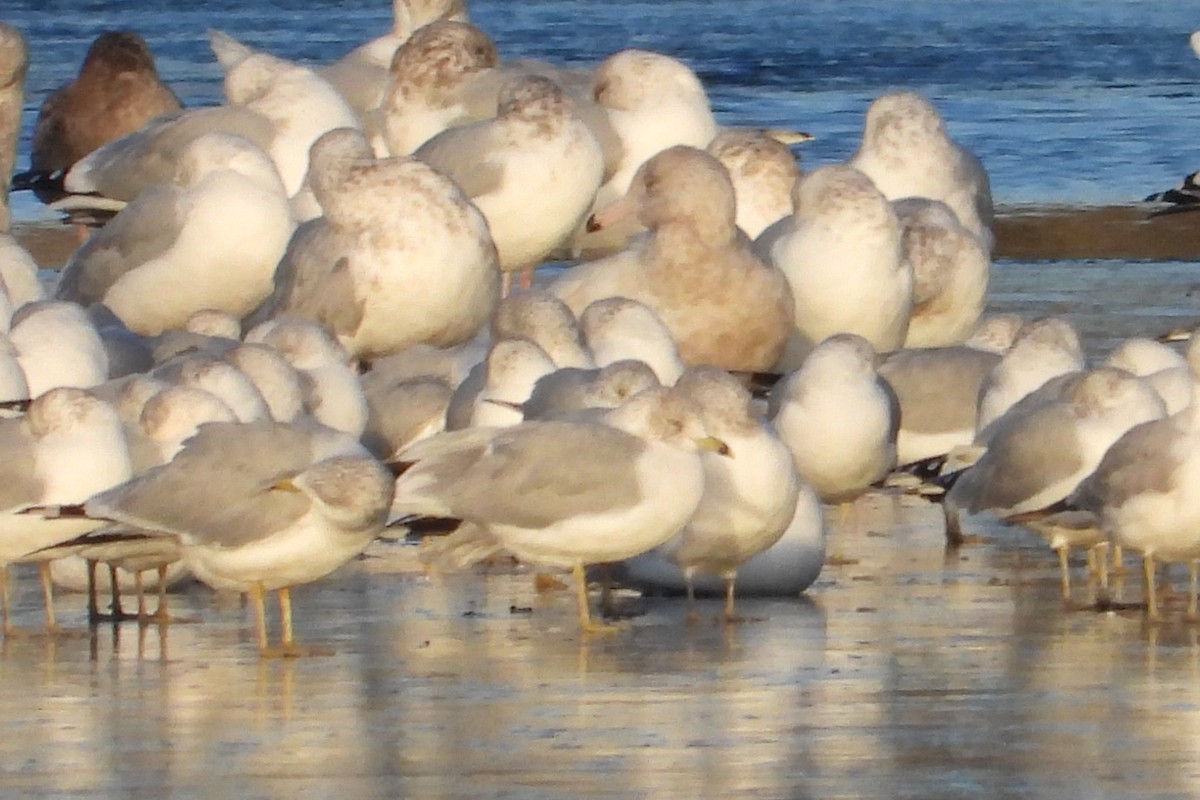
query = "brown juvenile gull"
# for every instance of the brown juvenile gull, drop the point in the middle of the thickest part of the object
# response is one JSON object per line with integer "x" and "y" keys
{"x": 694, "y": 268}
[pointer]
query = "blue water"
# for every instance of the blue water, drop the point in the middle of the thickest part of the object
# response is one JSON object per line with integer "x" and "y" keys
{"x": 1067, "y": 101}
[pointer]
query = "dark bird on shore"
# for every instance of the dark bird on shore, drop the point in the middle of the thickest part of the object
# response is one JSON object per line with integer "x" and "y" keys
{"x": 116, "y": 92}
{"x": 1184, "y": 197}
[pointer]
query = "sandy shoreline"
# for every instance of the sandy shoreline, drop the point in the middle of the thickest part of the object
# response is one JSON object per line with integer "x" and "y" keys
{"x": 1023, "y": 233}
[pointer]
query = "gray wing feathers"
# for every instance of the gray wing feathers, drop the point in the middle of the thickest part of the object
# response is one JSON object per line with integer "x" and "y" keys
{"x": 218, "y": 490}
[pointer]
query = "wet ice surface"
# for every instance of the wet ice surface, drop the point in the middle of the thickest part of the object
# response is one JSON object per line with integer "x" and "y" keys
{"x": 905, "y": 673}
{"x": 902, "y": 673}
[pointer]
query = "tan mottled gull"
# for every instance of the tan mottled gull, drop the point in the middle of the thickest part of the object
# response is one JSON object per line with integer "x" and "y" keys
{"x": 639, "y": 484}
{"x": 431, "y": 75}
{"x": 907, "y": 152}
{"x": 532, "y": 170}
{"x": 361, "y": 76}
{"x": 211, "y": 239}
{"x": 950, "y": 268}
{"x": 763, "y": 171}
{"x": 694, "y": 268}
{"x": 257, "y": 511}
{"x": 841, "y": 253}
{"x": 399, "y": 258}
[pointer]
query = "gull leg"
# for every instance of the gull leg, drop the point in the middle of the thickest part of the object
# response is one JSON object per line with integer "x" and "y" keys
{"x": 93, "y": 607}
{"x": 8, "y": 626}
{"x": 505, "y": 283}
{"x": 1194, "y": 580}
{"x": 260, "y": 616}
{"x": 115, "y": 588}
{"x": 161, "y": 613}
{"x": 1064, "y": 572}
{"x": 1150, "y": 588}
{"x": 139, "y": 586}
{"x": 581, "y": 598}
{"x": 692, "y": 616}
{"x": 729, "y": 615}
{"x": 526, "y": 278}
{"x": 48, "y": 597}
{"x": 287, "y": 644}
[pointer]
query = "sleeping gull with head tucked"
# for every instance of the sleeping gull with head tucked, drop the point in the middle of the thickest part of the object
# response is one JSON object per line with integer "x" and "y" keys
{"x": 210, "y": 239}
{"x": 950, "y": 269}
{"x": 532, "y": 170}
{"x": 841, "y": 253}
{"x": 907, "y": 152}
{"x": 400, "y": 257}
{"x": 69, "y": 446}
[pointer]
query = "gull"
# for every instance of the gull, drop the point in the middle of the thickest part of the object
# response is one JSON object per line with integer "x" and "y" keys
{"x": 838, "y": 417}
{"x": 841, "y": 252}
{"x": 617, "y": 329}
{"x": 1044, "y": 349}
{"x": 1034, "y": 460}
{"x": 723, "y": 305}
{"x": 57, "y": 345}
{"x": 512, "y": 369}
{"x": 532, "y": 170}
{"x": 907, "y": 152}
{"x": 14, "y": 64}
{"x": 571, "y": 393}
{"x": 431, "y": 76}
{"x": 210, "y": 239}
{"x": 650, "y": 102}
{"x": 255, "y": 510}
{"x": 400, "y": 256}
{"x": 298, "y": 104}
{"x": 639, "y": 484}
{"x": 763, "y": 170}
{"x": 937, "y": 390}
{"x": 749, "y": 500}
{"x": 69, "y": 445}
{"x": 1160, "y": 366}
{"x": 950, "y": 269}
{"x": 116, "y": 91}
{"x": 330, "y": 388}
{"x": 362, "y": 76}
{"x": 1143, "y": 494}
